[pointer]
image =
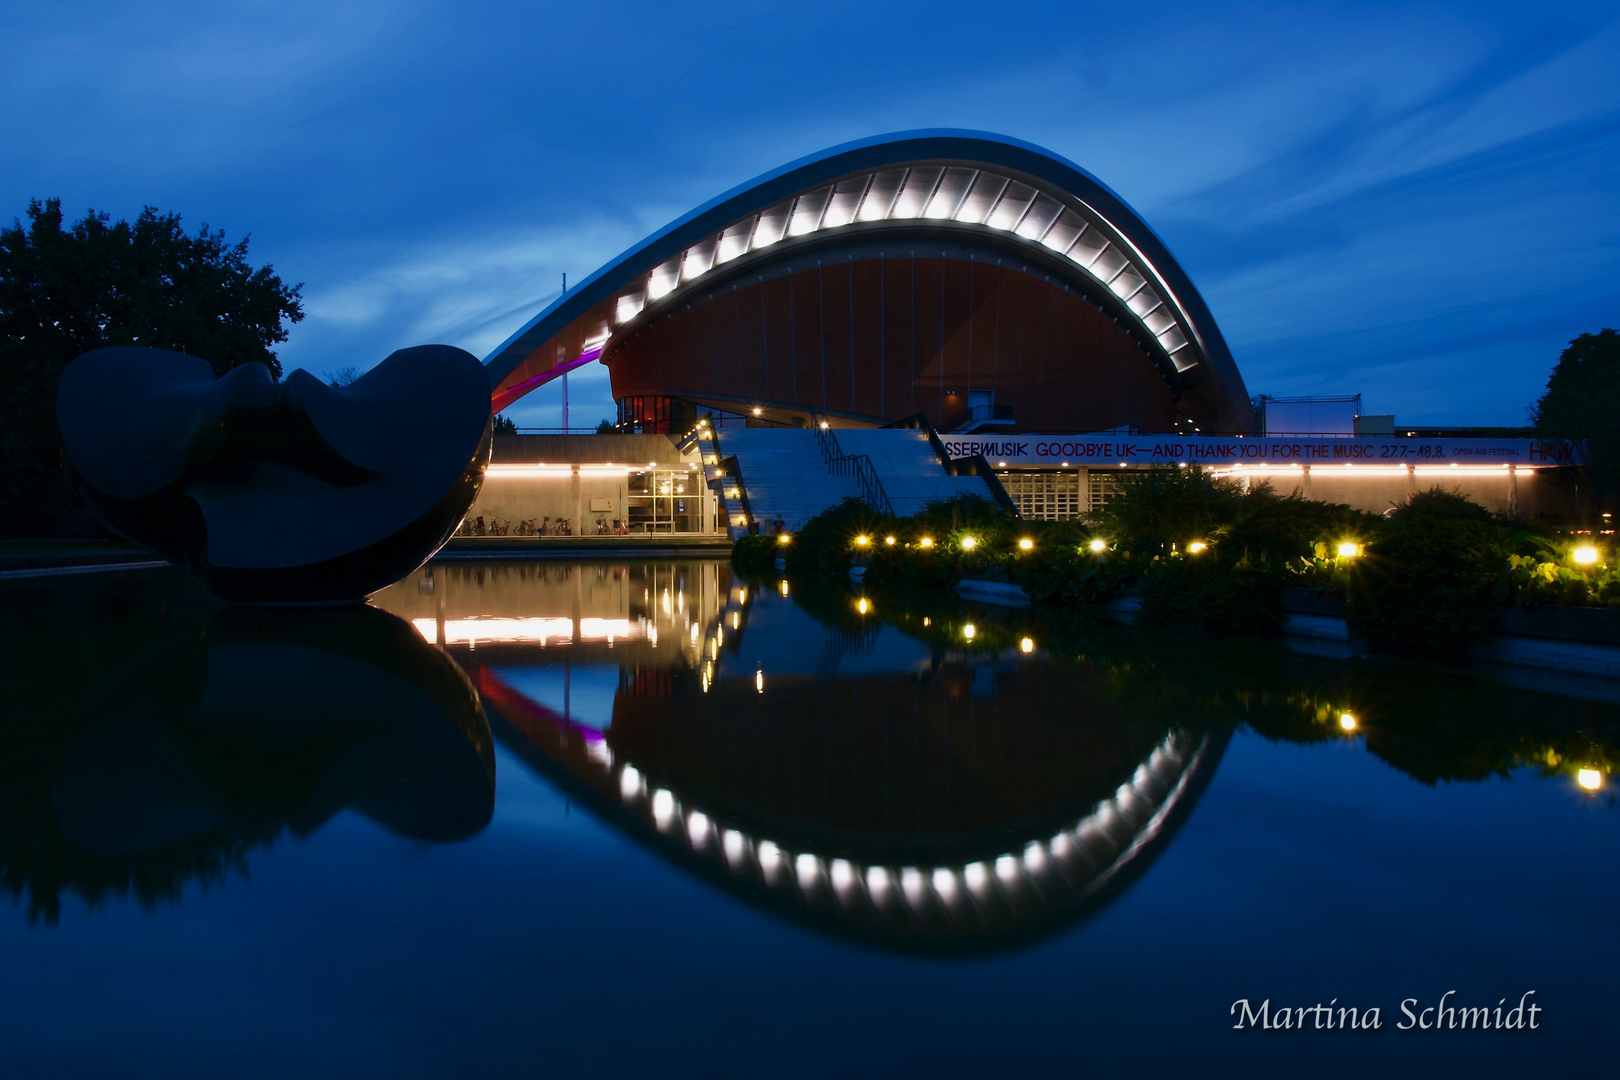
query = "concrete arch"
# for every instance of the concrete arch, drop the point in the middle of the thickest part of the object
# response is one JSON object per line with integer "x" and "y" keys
{"x": 969, "y": 187}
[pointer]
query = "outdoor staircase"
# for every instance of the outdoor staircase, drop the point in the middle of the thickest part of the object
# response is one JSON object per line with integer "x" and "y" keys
{"x": 760, "y": 474}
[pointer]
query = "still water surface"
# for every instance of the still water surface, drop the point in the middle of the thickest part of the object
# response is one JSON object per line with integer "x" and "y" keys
{"x": 648, "y": 819}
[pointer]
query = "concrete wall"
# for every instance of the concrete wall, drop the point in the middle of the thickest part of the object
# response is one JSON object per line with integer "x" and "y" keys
{"x": 1535, "y": 493}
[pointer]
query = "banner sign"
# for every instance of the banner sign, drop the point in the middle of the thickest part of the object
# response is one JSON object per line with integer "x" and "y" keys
{"x": 1114, "y": 450}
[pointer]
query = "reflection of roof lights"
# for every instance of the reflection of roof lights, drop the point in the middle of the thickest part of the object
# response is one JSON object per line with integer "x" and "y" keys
{"x": 663, "y": 807}
{"x": 911, "y": 883}
{"x": 808, "y": 869}
{"x": 630, "y": 783}
{"x": 841, "y": 874}
{"x": 1138, "y": 808}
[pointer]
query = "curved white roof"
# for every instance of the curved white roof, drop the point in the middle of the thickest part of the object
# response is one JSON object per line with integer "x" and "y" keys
{"x": 959, "y": 181}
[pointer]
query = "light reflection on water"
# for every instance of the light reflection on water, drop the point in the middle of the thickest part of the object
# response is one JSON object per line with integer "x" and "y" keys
{"x": 1029, "y": 789}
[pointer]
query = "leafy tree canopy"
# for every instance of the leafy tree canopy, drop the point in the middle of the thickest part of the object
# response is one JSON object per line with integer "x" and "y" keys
{"x": 66, "y": 290}
{"x": 1582, "y": 401}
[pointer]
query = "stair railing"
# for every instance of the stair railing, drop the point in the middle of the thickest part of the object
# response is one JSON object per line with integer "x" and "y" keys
{"x": 973, "y": 466}
{"x": 860, "y": 466}
{"x": 867, "y": 481}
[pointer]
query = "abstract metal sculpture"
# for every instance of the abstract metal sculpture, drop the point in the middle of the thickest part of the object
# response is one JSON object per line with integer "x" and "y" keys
{"x": 290, "y": 492}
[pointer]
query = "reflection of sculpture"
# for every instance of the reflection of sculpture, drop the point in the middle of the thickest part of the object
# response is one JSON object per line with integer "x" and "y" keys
{"x": 275, "y": 718}
{"x": 291, "y": 492}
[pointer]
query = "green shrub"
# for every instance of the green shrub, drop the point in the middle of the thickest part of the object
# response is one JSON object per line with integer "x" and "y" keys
{"x": 1434, "y": 582}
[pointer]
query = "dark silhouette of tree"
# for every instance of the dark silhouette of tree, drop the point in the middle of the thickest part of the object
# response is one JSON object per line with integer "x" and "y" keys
{"x": 1582, "y": 401}
{"x": 505, "y": 425}
{"x": 64, "y": 291}
{"x": 343, "y": 376}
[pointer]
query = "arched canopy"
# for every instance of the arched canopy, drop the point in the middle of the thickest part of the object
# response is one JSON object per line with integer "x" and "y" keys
{"x": 965, "y": 183}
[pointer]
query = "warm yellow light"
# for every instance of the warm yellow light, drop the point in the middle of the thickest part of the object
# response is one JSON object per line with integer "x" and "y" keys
{"x": 1026, "y": 645}
{"x": 1026, "y": 544}
{"x": 927, "y": 621}
{"x": 759, "y": 682}
{"x": 968, "y": 543}
{"x": 1347, "y": 721}
{"x": 757, "y": 410}
{"x": 1590, "y": 779}
{"x": 1099, "y": 546}
{"x": 862, "y": 606}
{"x": 784, "y": 587}
{"x": 1586, "y": 555}
{"x": 1348, "y": 550}
{"x": 926, "y": 542}
{"x": 1196, "y": 546}
{"x": 862, "y": 541}
{"x": 824, "y": 423}
{"x": 784, "y": 538}
{"x": 889, "y": 540}
{"x": 969, "y": 630}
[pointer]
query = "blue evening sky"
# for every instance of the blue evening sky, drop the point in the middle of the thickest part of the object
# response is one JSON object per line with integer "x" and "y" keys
{"x": 1417, "y": 202}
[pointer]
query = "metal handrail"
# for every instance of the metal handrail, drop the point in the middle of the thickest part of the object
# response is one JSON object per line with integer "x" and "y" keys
{"x": 866, "y": 479}
{"x": 730, "y": 470}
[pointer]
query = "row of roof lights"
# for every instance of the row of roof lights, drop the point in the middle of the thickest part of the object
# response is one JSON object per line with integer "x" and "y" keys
{"x": 1110, "y": 834}
{"x": 966, "y": 196}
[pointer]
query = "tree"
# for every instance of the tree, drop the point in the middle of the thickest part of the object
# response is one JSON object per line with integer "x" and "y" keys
{"x": 343, "y": 376}
{"x": 505, "y": 425}
{"x": 64, "y": 291}
{"x": 1582, "y": 401}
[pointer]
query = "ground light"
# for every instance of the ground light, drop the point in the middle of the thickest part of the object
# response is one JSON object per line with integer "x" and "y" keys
{"x": 1348, "y": 550}
{"x": 1099, "y": 546}
{"x": 968, "y": 543}
{"x": 759, "y": 682}
{"x": 969, "y": 630}
{"x": 1590, "y": 779}
{"x": 926, "y": 542}
{"x": 1026, "y": 645}
{"x": 1026, "y": 544}
{"x": 889, "y": 540}
{"x": 862, "y": 606}
{"x": 1347, "y": 721}
{"x": 862, "y": 541}
{"x": 784, "y": 586}
{"x": 1196, "y": 546}
{"x": 1586, "y": 555}
{"x": 783, "y": 538}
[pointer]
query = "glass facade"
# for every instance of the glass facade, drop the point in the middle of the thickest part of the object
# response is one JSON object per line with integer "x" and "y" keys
{"x": 660, "y": 500}
{"x": 1067, "y": 495}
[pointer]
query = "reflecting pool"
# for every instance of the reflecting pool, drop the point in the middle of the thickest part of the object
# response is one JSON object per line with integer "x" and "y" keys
{"x": 648, "y": 818}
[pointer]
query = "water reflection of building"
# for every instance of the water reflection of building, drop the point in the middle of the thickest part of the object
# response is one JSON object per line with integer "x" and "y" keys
{"x": 861, "y": 781}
